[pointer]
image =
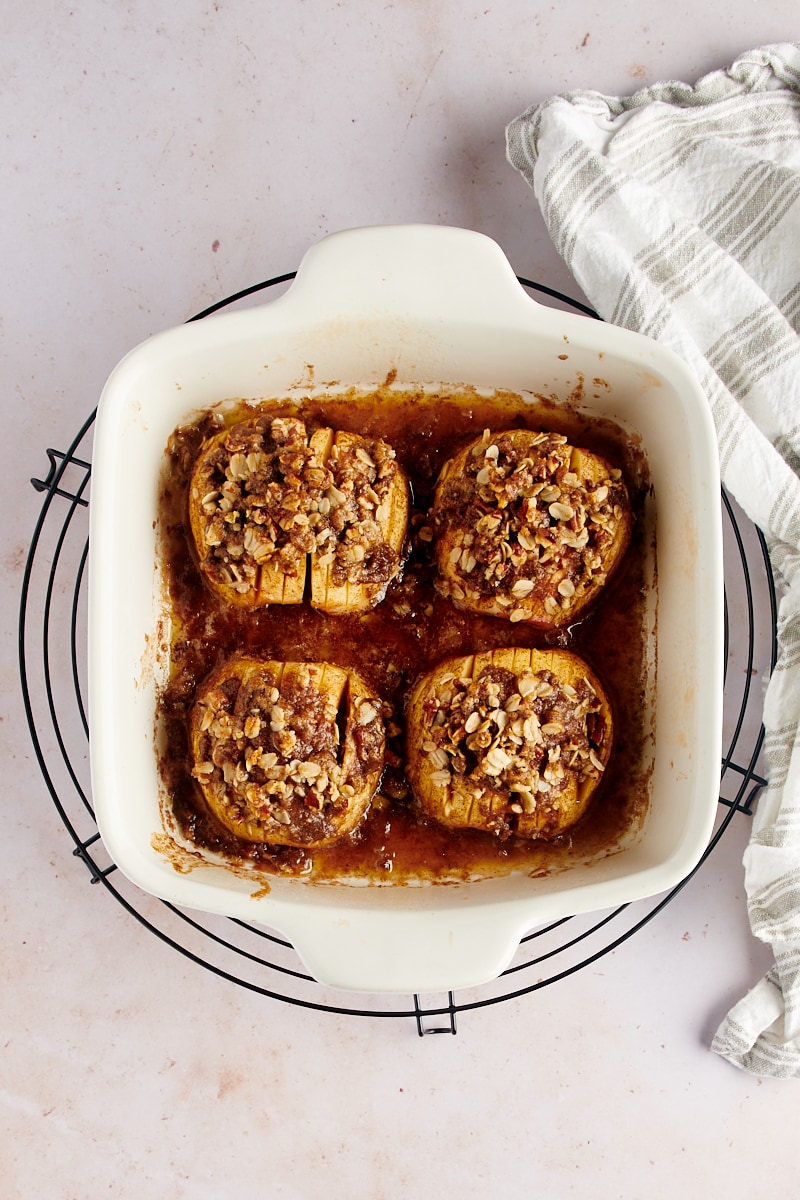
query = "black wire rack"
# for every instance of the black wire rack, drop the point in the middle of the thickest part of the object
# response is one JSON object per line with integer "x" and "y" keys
{"x": 52, "y": 655}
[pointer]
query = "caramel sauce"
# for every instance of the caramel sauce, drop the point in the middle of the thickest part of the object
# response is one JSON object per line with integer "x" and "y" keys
{"x": 408, "y": 633}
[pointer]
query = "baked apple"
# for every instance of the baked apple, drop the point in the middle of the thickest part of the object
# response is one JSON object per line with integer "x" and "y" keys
{"x": 285, "y": 752}
{"x": 528, "y": 527}
{"x": 268, "y": 505}
{"x": 513, "y": 741}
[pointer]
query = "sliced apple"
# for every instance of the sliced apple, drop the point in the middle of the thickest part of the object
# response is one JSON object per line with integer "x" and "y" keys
{"x": 528, "y": 527}
{"x": 352, "y": 568}
{"x": 243, "y": 505}
{"x": 287, "y": 753}
{"x": 513, "y": 741}
{"x": 266, "y": 501}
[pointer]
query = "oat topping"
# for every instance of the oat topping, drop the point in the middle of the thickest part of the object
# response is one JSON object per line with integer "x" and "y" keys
{"x": 529, "y": 525}
{"x": 356, "y": 511}
{"x": 287, "y": 745}
{"x": 257, "y": 490}
{"x": 526, "y": 735}
{"x": 265, "y": 495}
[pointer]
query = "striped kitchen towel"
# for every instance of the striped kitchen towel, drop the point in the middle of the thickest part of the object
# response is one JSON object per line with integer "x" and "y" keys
{"x": 677, "y": 210}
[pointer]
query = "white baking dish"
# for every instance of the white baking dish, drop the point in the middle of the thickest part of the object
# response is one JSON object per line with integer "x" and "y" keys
{"x": 436, "y": 305}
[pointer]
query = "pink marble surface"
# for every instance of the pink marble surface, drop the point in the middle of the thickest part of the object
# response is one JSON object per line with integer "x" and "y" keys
{"x": 157, "y": 160}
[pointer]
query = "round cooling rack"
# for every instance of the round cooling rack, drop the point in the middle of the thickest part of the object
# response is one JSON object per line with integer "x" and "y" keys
{"x": 52, "y": 650}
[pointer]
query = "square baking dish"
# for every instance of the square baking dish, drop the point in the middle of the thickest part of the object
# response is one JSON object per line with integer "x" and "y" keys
{"x": 435, "y": 306}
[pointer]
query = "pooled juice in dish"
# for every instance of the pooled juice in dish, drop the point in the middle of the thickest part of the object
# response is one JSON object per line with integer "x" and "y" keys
{"x": 409, "y": 632}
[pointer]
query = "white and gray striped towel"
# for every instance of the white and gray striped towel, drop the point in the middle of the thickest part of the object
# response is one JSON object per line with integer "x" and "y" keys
{"x": 677, "y": 210}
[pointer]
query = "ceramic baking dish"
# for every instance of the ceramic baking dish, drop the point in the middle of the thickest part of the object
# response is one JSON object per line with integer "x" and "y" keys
{"x": 436, "y": 305}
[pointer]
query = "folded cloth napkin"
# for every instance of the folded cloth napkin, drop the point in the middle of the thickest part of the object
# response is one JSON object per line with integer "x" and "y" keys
{"x": 677, "y": 210}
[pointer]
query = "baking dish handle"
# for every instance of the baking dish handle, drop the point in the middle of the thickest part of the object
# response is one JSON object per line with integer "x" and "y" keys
{"x": 432, "y": 271}
{"x": 405, "y": 948}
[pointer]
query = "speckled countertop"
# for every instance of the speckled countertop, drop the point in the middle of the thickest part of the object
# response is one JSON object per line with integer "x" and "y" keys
{"x": 154, "y": 162}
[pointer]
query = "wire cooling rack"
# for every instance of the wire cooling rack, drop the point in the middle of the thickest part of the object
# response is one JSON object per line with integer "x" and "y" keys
{"x": 52, "y": 654}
